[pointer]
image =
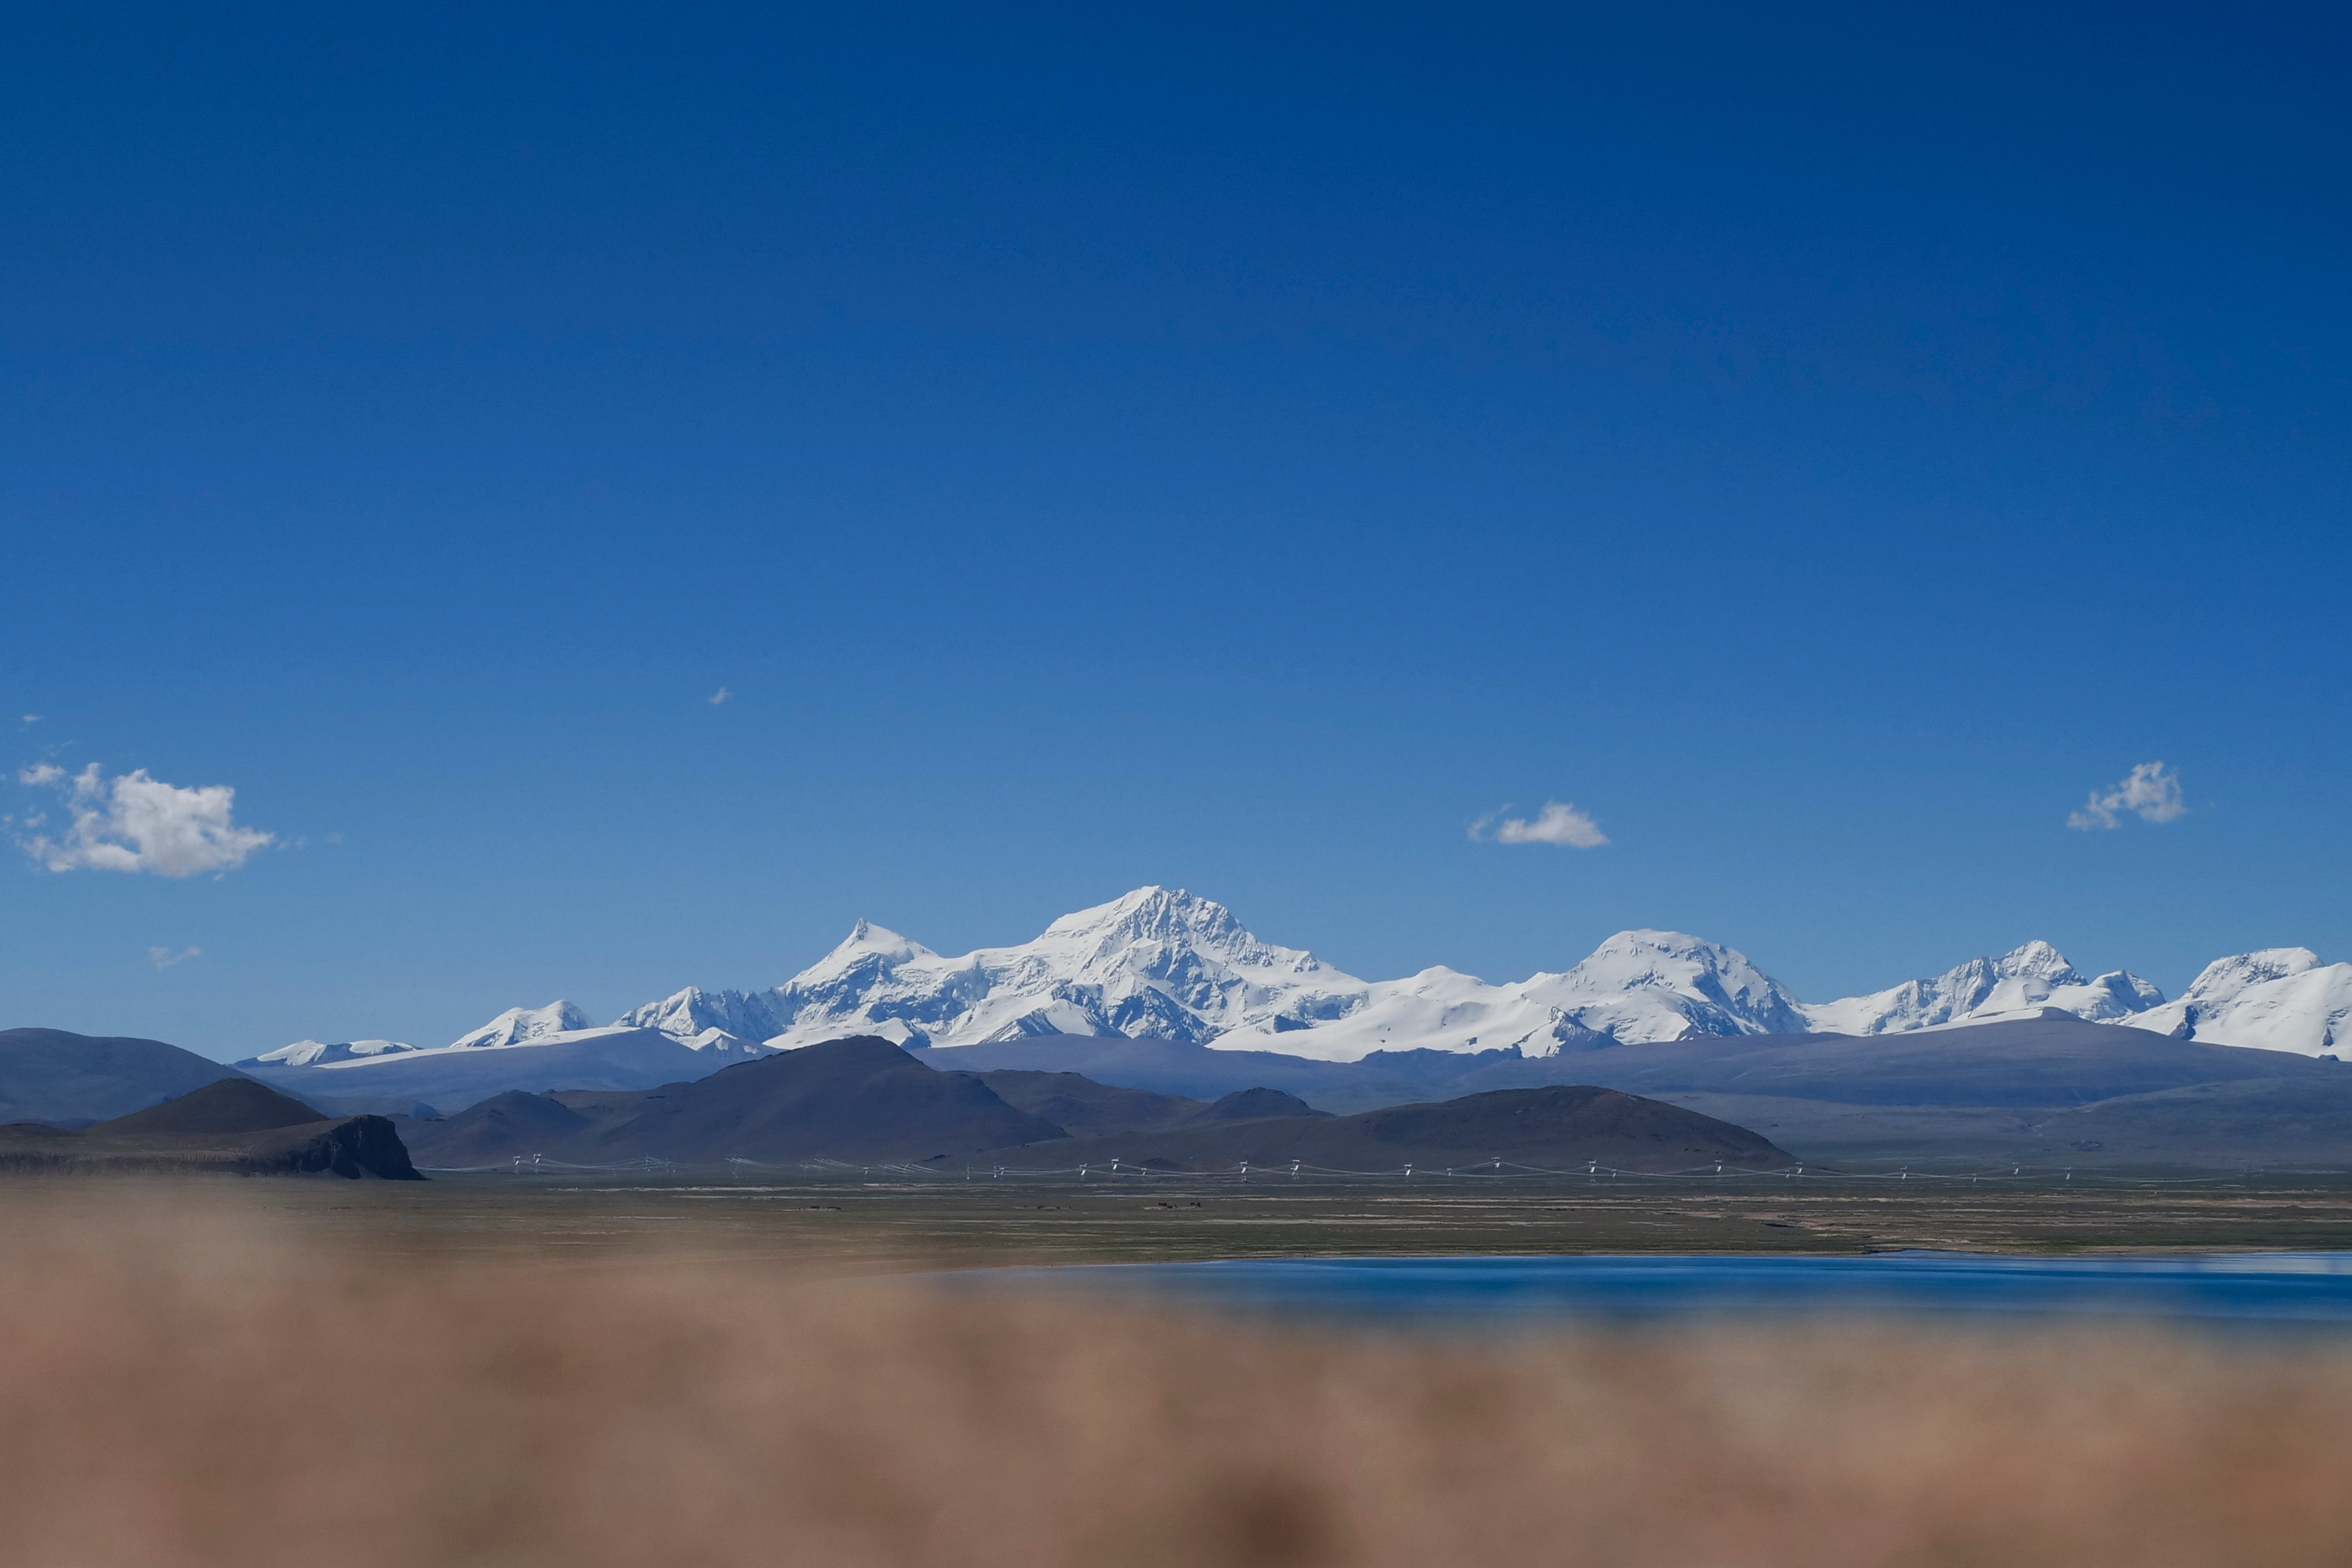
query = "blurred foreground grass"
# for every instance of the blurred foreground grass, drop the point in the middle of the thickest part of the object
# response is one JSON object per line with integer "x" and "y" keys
{"x": 195, "y": 1374}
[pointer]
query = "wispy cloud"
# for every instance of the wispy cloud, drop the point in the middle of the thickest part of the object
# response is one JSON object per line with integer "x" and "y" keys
{"x": 716, "y": 698}
{"x": 2150, "y": 792}
{"x": 165, "y": 957}
{"x": 32, "y": 718}
{"x": 1557, "y": 823}
{"x": 134, "y": 822}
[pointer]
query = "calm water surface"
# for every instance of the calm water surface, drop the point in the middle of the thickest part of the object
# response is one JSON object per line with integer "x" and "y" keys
{"x": 2303, "y": 1287}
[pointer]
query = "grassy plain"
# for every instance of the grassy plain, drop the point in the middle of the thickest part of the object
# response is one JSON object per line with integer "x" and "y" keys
{"x": 536, "y": 1374}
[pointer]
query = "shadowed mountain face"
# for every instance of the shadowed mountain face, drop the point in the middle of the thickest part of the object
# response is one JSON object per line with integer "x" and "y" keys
{"x": 2053, "y": 1089}
{"x": 1082, "y": 1108}
{"x": 1554, "y": 1127}
{"x": 49, "y": 1075}
{"x": 866, "y": 1100}
{"x": 1255, "y": 1104}
{"x": 499, "y": 1127}
{"x": 861, "y": 1098}
{"x": 2053, "y": 1061}
{"x": 232, "y": 1126}
{"x": 228, "y": 1105}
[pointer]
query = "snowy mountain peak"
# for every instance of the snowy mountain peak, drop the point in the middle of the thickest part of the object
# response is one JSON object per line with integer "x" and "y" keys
{"x": 2256, "y": 968}
{"x": 868, "y": 948}
{"x": 1145, "y": 929}
{"x": 1165, "y": 963}
{"x": 519, "y": 1025}
{"x": 317, "y": 1053}
{"x": 2282, "y": 998}
{"x": 1669, "y": 985}
{"x": 688, "y": 1014}
{"x": 2021, "y": 982}
{"x": 1155, "y": 961}
{"x": 2037, "y": 957}
{"x": 1152, "y": 914}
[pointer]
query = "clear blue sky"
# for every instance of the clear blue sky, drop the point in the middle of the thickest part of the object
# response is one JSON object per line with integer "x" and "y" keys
{"x": 1229, "y": 449}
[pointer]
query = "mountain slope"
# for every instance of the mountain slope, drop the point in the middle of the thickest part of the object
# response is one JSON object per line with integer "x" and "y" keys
{"x": 50, "y": 1075}
{"x": 2021, "y": 982}
{"x": 225, "y": 1105}
{"x": 318, "y": 1053}
{"x": 1162, "y": 963}
{"x": 521, "y": 1025}
{"x": 230, "y": 1126}
{"x": 2281, "y": 998}
{"x": 456, "y": 1076}
{"x": 1156, "y": 962}
{"x": 860, "y": 1099}
{"x": 1167, "y": 964}
{"x": 1082, "y": 1108}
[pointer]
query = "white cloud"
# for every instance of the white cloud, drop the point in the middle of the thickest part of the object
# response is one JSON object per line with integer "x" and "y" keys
{"x": 32, "y": 718}
{"x": 1557, "y": 823}
{"x": 716, "y": 698}
{"x": 2149, "y": 791}
{"x": 134, "y": 822}
{"x": 164, "y": 957}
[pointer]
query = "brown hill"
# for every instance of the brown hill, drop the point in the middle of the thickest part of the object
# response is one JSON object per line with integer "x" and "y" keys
{"x": 1553, "y": 1128}
{"x": 225, "y": 1105}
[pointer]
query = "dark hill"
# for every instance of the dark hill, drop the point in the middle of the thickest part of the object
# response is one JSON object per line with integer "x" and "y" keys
{"x": 859, "y": 1098}
{"x": 214, "y": 1136}
{"x": 1082, "y": 1108}
{"x": 498, "y": 1128}
{"x": 1555, "y": 1127}
{"x": 50, "y": 1075}
{"x": 2052, "y": 1089}
{"x": 2054, "y": 1060}
{"x": 225, "y": 1105}
{"x": 1250, "y": 1104}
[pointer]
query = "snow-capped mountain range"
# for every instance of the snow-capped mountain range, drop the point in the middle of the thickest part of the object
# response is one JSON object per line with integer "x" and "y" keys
{"x": 1167, "y": 963}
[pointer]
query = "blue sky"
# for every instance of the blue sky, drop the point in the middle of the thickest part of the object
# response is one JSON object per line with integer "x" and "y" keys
{"x": 1235, "y": 449}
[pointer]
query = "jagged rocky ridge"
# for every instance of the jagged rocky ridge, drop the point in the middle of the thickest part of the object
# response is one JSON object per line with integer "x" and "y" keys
{"x": 1165, "y": 964}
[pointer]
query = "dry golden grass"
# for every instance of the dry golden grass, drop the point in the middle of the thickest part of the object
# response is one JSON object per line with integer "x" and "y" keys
{"x": 187, "y": 1387}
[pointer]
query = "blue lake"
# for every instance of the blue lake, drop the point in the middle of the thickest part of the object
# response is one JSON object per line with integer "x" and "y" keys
{"x": 2251, "y": 1289}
